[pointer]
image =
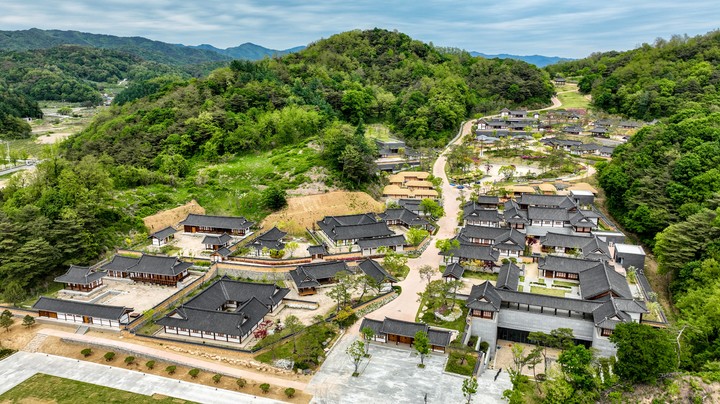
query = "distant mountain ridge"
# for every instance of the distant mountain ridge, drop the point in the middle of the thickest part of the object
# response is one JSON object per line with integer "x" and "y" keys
{"x": 157, "y": 51}
{"x": 537, "y": 60}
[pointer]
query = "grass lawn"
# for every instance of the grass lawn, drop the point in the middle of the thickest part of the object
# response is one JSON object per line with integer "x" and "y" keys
{"x": 563, "y": 283}
{"x": 547, "y": 291}
{"x": 42, "y": 388}
{"x": 453, "y": 364}
{"x": 52, "y": 291}
{"x": 457, "y": 324}
{"x": 378, "y": 131}
{"x": 309, "y": 344}
{"x": 480, "y": 275}
{"x": 573, "y": 100}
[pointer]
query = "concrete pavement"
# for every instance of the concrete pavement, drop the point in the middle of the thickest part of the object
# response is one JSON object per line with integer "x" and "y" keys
{"x": 20, "y": 366}
{"x": 163, "y": 355}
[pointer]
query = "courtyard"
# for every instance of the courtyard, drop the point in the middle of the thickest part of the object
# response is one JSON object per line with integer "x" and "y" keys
{"x": 391, "y": 375}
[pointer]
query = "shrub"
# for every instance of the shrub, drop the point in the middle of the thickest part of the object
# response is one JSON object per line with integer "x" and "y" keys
{"x": 194, "y": 372}
{"x": 86, "y": 352}
{"x": 265, "y": 387}
{"x": 217, "y": 378}
{"x": 109, "y": 356}
{"x": 170, "y": 369}
{"x": 241, "y": 383}
{"x": 484, "y": 346}
{"x": 289, "y": 392}
{"x": 150, "y": 364}
{"x": 129, "y": 360}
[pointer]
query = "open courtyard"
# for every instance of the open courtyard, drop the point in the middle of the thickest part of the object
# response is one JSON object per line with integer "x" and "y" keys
{"x": 391, "y": 375}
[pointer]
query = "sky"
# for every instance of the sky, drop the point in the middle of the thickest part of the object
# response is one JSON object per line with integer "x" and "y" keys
{"x": 522, "y": 27}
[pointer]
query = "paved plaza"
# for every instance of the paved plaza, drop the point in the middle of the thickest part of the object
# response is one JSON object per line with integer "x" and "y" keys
{"x": 21, "y": 365}
{"x": 391, "y": 375}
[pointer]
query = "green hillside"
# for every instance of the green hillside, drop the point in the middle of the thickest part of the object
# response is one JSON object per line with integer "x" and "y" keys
{"x": 144, "y": 48}
{"x": 652, "y": 81}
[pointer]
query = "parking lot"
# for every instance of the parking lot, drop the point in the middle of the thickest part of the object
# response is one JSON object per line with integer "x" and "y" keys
{"x": 391, "y": 375}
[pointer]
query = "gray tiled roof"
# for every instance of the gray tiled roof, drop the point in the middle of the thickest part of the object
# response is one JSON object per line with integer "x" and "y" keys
{"x": 615, "y": 311}
{"x": 478, "y": 214}
{"x": 375, "y": 325}
{"x": 217, "y": 240}
{"x": 454, "y": 270}
{"x": 602, "y": 279}
{"x": 79, "y": 275}
{"x": 410, "y": 204}
{"x": 508, "y": 277}
{"x": 218, "y": 222}
{"x": 501, "y": 237}
{"x": 554, "y": 213}
{"x": 561, "y": 201}
{"x": 565, "y": 264}
{"x": 317, "y": 249}
{"x": 148, "y": 264}
{"x": 226, "y": 289}
{"x": 80, "y": 308}
{"x": 374, "y": 270}
{"x": 404, "y": 215}
{"x": 164, "y": 233}
{"x": 236, "y": 323}
{"x": 271, "y": 239}
{"x": 407, "y": 329}
{"x": 484, "y": 297}
{"x": 353, "y": 227}
{"x": 223, "y": 252}
{"x": 551, "y": 302}
{"x": 309, "y": 275}
{"x": 474, "y": 252}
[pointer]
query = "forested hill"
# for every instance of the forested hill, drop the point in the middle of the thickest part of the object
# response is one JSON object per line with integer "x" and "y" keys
{"x": 147, "y": 49}
{"x": 651, "y": 81}
{"x": 664, "y": 183}
{"x": 71, "y": 73}
{"x": 355, "y": 77}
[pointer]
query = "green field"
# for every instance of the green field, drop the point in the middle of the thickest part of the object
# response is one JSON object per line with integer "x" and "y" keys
{"x": 481, "y": 275}
{"x": 378, "y": 131}
{"x": 547, "y": 291}
{"x": 51, "y": 389}
{"x": 573, "y": 100}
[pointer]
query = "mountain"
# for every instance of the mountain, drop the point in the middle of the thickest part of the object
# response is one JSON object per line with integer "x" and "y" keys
{"x": 249, "y": 51}
{"x": 537, "y": 60}
{"x": 156, "y": 51}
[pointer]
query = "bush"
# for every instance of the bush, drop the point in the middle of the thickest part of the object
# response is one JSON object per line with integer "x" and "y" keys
{"x": 86, "y": 352}
{"x": 129, "y": 360}
{"x": 484, "y": 346}
{"x": 150, "y": 364}
{"x": 109, "y": 356}
{"x": 289, "y": 392}
{"x": 216, "y": 378}
{"x": 241, "y": 383}
{"x": 265, "y": 387}
{"x": 194, "y": 373}
{"x": 171, "y": 369}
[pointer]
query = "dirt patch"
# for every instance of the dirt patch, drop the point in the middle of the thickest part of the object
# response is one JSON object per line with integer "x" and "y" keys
{"x": 172, "y": 217}
{"x": 303, "y": 211}
{"x": 55, "y": 346}
{"x": 52, "y": 138}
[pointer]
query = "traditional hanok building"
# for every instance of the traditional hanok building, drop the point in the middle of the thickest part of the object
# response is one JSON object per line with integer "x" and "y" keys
{"x": 72, "y": 311}
{"x": 156, "y": 269}
{"x": 317, "y": 252}
{"x": 226, "y": 311}
{"x": 214, "y": 243}
{"x": 162, "y": 237}
{"x": 508, "y": 242}
{"x": 403, "y": 332}
{"x": 581, "y": 245}
{"x": 81, "y": 279}
{"x": 475, "y": 216}
{"x": 555, "y": 266}
{"x": 379, "y": 275}
{"x": 359, "y": 232}
{"x": 269, "y": 240}
{"x": 309, "y": 277}
{"x": 508, "y": 277}
{"x": 236, "y": 226}
{"x": 405, "y": 218}
{"x": 453, "y": 272}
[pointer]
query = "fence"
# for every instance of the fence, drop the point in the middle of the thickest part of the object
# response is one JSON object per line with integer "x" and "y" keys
{"x": 134, "y": 325}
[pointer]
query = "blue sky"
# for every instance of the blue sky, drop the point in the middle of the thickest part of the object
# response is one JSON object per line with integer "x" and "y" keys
{"x": 551, "y": 28}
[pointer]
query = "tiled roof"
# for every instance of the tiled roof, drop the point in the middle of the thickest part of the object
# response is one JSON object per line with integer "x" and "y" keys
{"x": 79, "y": 275}
{"x": 374, "y": 270}
{"x": 164, "y": 233}
{"x": 602, "y": 279}
{"x": 454, "y": 270}
{"x": 508, "y": 277}
{"x": 217, "y": 240}
{"x": 236, "y": 323}
{"x": 80, "y": 308}
{"x": 484, "y": 297}
{"x": 148, "y": 264}
{"x": 309, "y": 275}
{"x": 218, "y": 222}
{"x": 226, "y": 289}
{"x": 390, "y": 241}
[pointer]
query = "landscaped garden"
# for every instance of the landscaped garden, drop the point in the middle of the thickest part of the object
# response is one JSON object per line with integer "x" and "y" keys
{"x": 461, "y": 362}
{"x": 547, "y": 291}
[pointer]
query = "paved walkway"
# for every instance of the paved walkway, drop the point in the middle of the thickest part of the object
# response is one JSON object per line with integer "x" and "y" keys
{"x": 22, "y": 365}
{"x": 164, "y": 355}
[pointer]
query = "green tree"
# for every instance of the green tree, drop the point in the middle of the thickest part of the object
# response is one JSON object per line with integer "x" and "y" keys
{"x": 28, "y": 321}
{"x": 422, "y": 346}
{"x": 416, "y": 235}
{"x": 432, "y": 208}
{"x": 274, "y": 197}
{"x": 356, "y": 351}
{"x": 469, "y": 387}
{"x": 6, "y": 322}
{"x": 291, "y": 247}
{"x": 427, "y": 272}
{"x": 576, "y": 364}
{"x": 293, "y": 325}
{"x": 394, "y": 262}
{"x": 643, "y": 352}
{"x": 368, "y": 334}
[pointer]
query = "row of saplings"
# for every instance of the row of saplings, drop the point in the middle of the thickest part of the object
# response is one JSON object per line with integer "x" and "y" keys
{"x": 129, "y": 360}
